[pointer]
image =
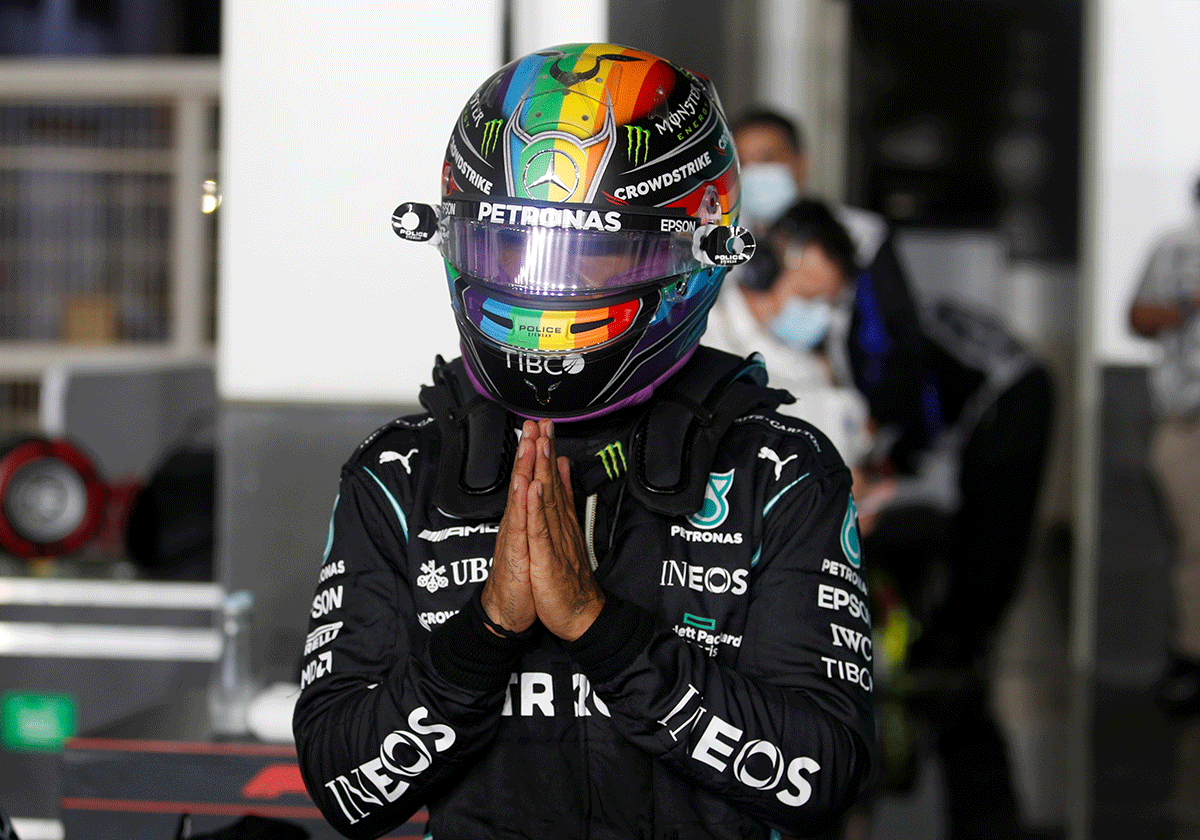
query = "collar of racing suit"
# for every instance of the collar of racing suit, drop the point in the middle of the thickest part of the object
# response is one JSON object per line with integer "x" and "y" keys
{"x": 663, "y": 448}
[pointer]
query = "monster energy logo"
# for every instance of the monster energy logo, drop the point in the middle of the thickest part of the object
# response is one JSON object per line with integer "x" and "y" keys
{"x": 613, "y": 458}
{"x": 637, "y": 144}
{"x": 491, "y": 133}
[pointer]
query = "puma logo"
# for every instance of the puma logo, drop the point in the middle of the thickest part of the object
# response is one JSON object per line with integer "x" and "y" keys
{"x": 389, "y": 455}
{"x": 768, "y": 454}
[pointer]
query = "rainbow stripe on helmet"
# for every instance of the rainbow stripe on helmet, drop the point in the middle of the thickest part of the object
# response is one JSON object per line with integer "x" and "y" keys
{"x": 554, "y": 329}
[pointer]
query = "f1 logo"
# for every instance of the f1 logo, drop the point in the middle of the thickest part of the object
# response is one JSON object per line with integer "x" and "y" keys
{"x": 273, "y": 781}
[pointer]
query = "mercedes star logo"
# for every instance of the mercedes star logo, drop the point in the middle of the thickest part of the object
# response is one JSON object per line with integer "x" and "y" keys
{"x": 552, "y": 165}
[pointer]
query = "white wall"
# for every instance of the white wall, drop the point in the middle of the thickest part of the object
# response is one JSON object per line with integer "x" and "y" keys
{"x": 1146, "y": 150}
{"x": 332, "y": 114}
{"x": 802, "y": 73}
{"x": 783, "y": 41}
{"x": 544, "y": 23}
{"x": 1142, "y": 154}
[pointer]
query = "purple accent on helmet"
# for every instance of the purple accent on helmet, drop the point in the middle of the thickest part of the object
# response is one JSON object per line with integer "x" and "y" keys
{"x": 475, "y": 383}
{"x": 639, "y": 396}
{"x": 474, "y": 306}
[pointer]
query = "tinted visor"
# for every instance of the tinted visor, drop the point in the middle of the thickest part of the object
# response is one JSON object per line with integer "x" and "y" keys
{"x": 563, "y": 250}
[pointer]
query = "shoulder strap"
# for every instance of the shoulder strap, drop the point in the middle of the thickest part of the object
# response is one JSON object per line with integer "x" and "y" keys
{"x": 477, "y": 446}
{"x": 676, "y": 440}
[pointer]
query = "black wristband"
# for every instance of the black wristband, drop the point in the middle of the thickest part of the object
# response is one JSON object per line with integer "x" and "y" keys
{"x": 616, "y": 637}
{"x": 464, "y": 652}
{"x": 504, "y": 632}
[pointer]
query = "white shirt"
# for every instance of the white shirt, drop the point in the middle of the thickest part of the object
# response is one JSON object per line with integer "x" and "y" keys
{"x": 841, "y": 413}
{"x": 1172, "y": 274}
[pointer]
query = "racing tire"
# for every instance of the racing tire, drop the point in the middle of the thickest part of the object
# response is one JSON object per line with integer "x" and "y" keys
{"x": 52, "y": 501}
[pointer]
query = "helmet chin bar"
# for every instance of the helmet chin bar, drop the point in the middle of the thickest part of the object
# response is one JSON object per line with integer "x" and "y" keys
{"x": 723, "y": 246}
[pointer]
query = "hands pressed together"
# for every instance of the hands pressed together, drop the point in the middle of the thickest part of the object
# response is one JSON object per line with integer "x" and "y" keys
{"x": 540, "y": 570}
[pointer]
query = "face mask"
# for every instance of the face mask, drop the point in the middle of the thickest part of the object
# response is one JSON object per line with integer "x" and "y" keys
{"x": 802, "y": 324}
{"x": 767, "y": 190}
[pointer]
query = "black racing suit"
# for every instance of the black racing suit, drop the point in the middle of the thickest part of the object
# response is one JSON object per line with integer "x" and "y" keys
{"x": 724, "y": 690}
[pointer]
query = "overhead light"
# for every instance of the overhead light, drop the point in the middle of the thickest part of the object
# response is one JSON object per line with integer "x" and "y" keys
{"x": 211, "y": 199}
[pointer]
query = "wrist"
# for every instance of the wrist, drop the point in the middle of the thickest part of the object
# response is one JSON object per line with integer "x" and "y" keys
{"x": 487, "y": 612}
{"x": 614, "y": 640}
{"x": 480, "y": 608}
{"x": 464, "y": 652}
{"x": 585, "y": 619}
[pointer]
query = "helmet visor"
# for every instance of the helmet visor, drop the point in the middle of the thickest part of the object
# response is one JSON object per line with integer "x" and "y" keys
{"x": 563, "y": 250}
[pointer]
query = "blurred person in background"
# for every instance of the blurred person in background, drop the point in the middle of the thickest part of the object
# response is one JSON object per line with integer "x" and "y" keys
{"x": 600, "y": 588}
{"x": 1164, "y": 308}
{"x": 786, "y": 339}
{"x": 960, "y": 416}
{"x": 775, "y": 167}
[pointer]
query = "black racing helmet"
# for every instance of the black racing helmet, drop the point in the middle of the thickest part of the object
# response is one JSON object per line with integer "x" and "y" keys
{"x": 588, "y": 216}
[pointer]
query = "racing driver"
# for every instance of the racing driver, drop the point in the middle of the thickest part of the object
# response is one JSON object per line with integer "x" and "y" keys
{"x": 599, "y": 588}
